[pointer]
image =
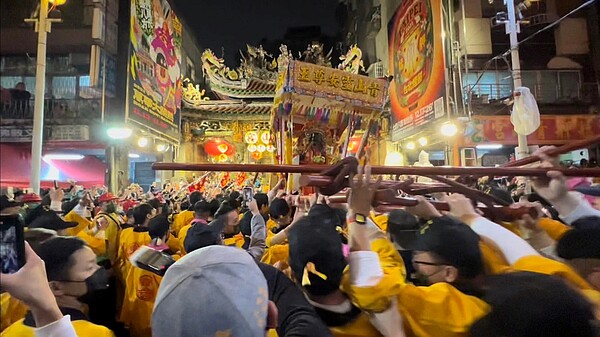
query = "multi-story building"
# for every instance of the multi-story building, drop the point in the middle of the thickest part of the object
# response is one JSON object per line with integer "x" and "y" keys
{"x": 85, "y": 93}
{"x": 560, "y": 64}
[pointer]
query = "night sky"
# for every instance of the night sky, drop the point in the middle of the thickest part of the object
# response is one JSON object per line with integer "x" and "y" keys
{"x": 233, "y": 23}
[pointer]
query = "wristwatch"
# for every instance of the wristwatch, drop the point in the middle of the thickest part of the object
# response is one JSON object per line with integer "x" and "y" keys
{"x": 360, "y": 219}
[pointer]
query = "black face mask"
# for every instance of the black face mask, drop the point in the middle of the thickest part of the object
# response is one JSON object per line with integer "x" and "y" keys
{"x": 95, "y": 283}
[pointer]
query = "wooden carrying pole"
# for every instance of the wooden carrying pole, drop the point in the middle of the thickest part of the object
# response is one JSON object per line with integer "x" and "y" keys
{"x": 399, "y": 170}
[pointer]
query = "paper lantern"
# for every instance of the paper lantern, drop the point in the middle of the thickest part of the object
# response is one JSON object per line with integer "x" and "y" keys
{"x": 261, "y": 148}
{"x": 270, "y": 148}
{"x": 256, "y": 155}
{"x": 252, "y": 148}
{"x": 251, "y": 137}
{"x": 265, "y": 137}
{"x": 223, "y": 157}
{"x": 217, "y": 146}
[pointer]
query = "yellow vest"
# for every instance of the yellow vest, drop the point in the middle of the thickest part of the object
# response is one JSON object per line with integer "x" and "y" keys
{"x": 129, "y": 242}
{"x": 275, "y": 253}
{"x": 113, "y": 231}
{"x": 99, "y": 246}
{"x": 11, "y": 310}
{"x": 181, "y": 237}
{"x": 182, "y": 219}
{"x": 141, "y": 287}
{"x": 82, "y": 329}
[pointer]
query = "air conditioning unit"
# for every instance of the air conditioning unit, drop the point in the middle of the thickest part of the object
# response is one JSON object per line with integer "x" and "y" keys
{"x": 70, "y": 133}
{"x": 376, "y": 70}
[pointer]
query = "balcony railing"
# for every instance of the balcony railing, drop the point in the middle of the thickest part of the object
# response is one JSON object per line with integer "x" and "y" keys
{"x": 547, "y": 86}
{"x": 54, "y": 109}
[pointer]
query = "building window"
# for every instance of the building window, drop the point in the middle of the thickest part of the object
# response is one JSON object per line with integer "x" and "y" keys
{"x": 64, "y": 87}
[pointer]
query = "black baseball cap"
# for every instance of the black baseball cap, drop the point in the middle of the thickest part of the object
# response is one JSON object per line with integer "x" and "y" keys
{"x": 200, "y": 236}
{"x": 47, "y": 218}
{"x": 312, "y": 241}
{"x": 453, "y": 241}
{"x": 7, "y": 203}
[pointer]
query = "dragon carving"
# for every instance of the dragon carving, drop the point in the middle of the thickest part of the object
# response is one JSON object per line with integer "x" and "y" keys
{"x": 257, "y": 63}
{"x": 192, "y": 93}
{"x": 352, "y": 62}
{"x": 211, "y": 64}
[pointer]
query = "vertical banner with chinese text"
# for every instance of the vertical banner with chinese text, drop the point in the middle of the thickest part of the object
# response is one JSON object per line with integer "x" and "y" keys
{"x": 155, "y": 67}
{"x": 416, "y": 61}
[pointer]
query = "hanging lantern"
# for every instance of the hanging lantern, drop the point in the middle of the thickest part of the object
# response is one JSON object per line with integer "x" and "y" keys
{"x": 261, "y": 148}
{"x": 252, "y": 148}
{"x": 256, "y": 155}
{"x": 223, "y": 157}
{"x": 270, "y": 148}
{"x": 354, "y": 144}
{"x": 217, "y": 146}
{"x": 251, "y": 137}
{"x": 265, "y": 137}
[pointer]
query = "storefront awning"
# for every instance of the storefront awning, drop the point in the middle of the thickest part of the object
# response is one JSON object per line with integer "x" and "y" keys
{"x": 15, "y": 169}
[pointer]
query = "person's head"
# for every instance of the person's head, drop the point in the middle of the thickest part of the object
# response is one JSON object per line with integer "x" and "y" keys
{"x": 20, "y": 86}
{"x": 37, "y": 236}
{"x": 108, "y": 202}
{"x": 316, "y": 256}
{"x": 214, "y": 207}
{"x": 230, "y": 216}
{"x": 142, "y": 214}
{"x": 158, "y": 229}
{"x": 73, "y": 274}
{"x": 402, "y": 228}
{"x": 280, "y": 212}
{"x": 262, "y": 201}
{"x": 43, "y": 217}
{"x": 208, "y": 274}
{"x": 580, "y": 248}
{"x": 202, "y": 210}
{"x": 195, "y": 197}
{"x": 155, "y": 203}
{"x": 447, "y": 250}
{"x": 525, "y": 304}
{"x": 588, "y": 222}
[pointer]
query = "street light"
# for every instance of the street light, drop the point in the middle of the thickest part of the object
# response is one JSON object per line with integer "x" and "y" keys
{"x": 42, "y": 27}
{"x": 119, "y": 132}
{"x": 410, "y": 145}
{"x": 422, "y": 141}
{"x": 449, "y": 129}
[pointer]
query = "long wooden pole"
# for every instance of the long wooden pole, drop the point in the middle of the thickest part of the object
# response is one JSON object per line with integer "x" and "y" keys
{"x": 400, "y": 170}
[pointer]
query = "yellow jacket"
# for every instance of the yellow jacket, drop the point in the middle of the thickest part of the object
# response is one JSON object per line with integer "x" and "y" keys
{"x": 129, "y": 242}
{"x": 98, "y": 245}
{"x": 82, "y": 328}
{"x": 182, "y": 219}
{"x": 275, "y": 253}
{"x": 554, "y": 229}
{"x": 181, "y": 237}
{"x": 141, "y": 287}
{"x": 11, "y": 310}
{"x": 439, "y": 310}
{"x": 113, "y": 231}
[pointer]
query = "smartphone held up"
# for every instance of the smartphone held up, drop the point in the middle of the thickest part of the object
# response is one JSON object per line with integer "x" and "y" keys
{"x": 12, "y": 243}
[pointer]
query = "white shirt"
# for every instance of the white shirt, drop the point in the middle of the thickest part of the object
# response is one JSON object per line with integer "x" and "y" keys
{"x": 60, "y": 328}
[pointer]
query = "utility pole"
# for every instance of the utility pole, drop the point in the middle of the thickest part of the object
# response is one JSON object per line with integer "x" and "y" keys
{"x": 42, "y": 26}
{"x": 513, "y": 29}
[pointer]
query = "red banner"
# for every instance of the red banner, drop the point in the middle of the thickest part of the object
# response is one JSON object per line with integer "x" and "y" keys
{"x": 554, "y": 130}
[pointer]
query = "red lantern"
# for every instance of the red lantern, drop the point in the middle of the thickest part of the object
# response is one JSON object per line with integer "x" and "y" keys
{"x": 217, "y": 146}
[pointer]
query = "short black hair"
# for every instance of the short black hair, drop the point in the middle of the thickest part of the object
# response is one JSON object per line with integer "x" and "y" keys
{"x": 214, "y": 206}
{"x": 224, "y": 209}
{"x": 579, "y": 244}
{"x": 140, "y": 213}
{"x": 525, "y": 304}
{"x": 195, "y": 197}
{"x": 57, "y": 255}
{"x": 202, "y": 207}
{"x": 279, "y": 208}
{"x": 402, "y": 226}
{"x": 261, "y": 200}
{"x": 155, "y": 203}
{"x": 588, "y": 222}
{"x": 158, "y": 226}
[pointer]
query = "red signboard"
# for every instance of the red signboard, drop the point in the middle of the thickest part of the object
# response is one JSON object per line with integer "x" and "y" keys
{"x": 553, "y": 130}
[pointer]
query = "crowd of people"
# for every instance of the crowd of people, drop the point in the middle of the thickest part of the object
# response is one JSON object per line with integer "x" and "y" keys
{"x": 285, "y": 264}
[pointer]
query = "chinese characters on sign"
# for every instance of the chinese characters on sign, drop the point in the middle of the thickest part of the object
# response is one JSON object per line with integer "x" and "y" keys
{"x": 553, "y": 130}
{"x": 339, "y": 83}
